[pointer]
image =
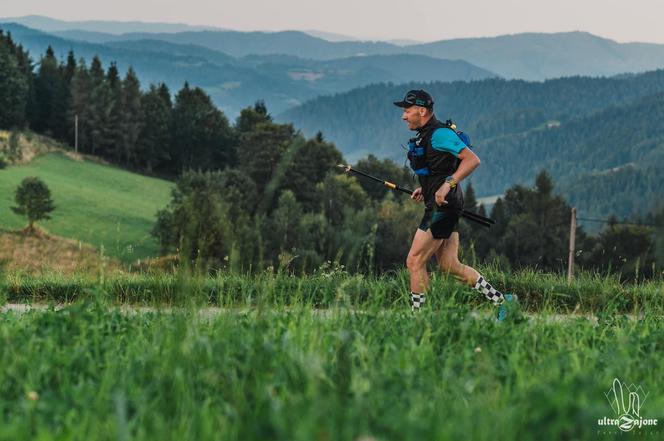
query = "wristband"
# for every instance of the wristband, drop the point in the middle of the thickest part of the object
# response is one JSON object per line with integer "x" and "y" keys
{"x": 450, "y": 180}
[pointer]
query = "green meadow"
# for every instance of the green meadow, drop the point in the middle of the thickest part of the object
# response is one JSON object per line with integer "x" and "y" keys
{"x": 325, "y": 357}
{"x": 101, "y": 205}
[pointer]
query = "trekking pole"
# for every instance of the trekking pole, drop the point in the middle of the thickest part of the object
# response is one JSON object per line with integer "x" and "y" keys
{"x": 388, "y": 184}
{"x": 485, "y": 221}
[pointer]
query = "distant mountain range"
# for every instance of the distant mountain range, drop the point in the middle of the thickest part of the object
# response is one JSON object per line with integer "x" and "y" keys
{"x": 523, "y": 56}
{"x": 237, "y": 82}
{"x": 529, "y": 56}
{"x": 48, "y": 24}
{"x": 532, "y": 56}
{"x": 330, "y": 36}
{"x": 52, "y": 25}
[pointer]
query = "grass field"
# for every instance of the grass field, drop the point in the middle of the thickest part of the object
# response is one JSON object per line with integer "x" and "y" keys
{"x": 96, "y": 204}
{"x": 537, "y": 292}
{"x": 364, "y": 370}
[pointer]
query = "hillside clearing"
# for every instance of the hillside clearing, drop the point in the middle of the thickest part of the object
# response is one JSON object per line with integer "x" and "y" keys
{"x": 111, "y": 209}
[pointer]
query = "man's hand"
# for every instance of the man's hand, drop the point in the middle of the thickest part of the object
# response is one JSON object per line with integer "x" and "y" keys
{"x": 417, "y": 194}
{"x": 442, "y": 193}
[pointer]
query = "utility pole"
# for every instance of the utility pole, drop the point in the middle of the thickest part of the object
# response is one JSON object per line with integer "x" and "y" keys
{"x": 76, "y": 133}
{"x": 572, "y": 241}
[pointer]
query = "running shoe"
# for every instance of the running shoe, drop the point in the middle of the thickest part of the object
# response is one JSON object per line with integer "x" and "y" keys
{"x": 508, "y": 305}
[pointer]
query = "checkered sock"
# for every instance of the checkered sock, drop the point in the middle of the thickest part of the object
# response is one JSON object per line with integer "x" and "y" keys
{"x": 489, "y": 291}
{"x": 416, "y": 301}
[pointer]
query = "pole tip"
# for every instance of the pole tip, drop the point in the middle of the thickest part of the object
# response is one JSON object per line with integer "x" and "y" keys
{"x": 344, "y": 166}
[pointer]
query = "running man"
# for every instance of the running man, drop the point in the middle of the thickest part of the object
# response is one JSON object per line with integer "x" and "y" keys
{"x": 441, "y": 161}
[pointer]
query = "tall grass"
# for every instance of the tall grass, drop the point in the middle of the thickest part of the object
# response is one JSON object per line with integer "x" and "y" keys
{"x": 91, "y": 372}
{"x": 587, "y": 293}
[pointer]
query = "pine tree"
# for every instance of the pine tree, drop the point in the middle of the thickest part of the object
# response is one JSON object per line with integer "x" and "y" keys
{"x": 113, "y": 137}
{"x": 99, "y": 109}
{"x": 261, "y": 144}
{"x": 46, "y": 84}
{"x": 70, "y": 67}
{"x": 202, "y": 137}
{"x": 50, "y": 96}
{"x": 13, "y": 87}
{"x": 537, "y": 226}
{"x": 80, "y": 106}
{"x": 469, "y": 198}
{"x": 131, "y": 122}
{"x": 155, "y": 137}
{"x": 62, "y": 123}
{"x": 25, "y": 66}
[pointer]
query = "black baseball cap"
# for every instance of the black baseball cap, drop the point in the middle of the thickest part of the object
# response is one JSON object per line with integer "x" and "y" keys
{"x": 416, "y": 98}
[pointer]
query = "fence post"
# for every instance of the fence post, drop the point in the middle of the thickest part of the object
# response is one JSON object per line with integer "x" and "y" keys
{"x": 572, "y": 243}
{"x": 76, "y": 133}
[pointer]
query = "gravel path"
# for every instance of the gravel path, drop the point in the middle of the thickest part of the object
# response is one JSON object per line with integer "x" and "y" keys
{"x": 213, "y": 311}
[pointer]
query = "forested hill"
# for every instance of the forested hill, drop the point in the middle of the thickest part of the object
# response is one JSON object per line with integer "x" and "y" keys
{"x": 580, "y": 129}
{"x": 610, "y": 162}
{"x": 364, "y": 120}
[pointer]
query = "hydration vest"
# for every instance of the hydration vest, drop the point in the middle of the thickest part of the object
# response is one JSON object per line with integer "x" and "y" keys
{"x": 426, "y": 161}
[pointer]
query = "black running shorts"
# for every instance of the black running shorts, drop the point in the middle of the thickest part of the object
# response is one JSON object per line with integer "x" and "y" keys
{"x": 442, "y": 222}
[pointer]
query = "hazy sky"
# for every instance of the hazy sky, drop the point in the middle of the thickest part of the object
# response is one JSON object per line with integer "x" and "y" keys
{"x": 424, "y": 20}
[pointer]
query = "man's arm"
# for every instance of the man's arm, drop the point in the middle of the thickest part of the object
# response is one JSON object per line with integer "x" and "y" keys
{"x": 468, "y": 162}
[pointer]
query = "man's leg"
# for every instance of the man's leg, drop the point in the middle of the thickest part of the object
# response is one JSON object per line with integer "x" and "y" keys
{"x": 448, "y": 261}
{"x": 423, "y": 247}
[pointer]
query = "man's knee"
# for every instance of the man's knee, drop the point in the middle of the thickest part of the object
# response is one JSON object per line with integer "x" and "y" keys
{"x": 415, "y": 262}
